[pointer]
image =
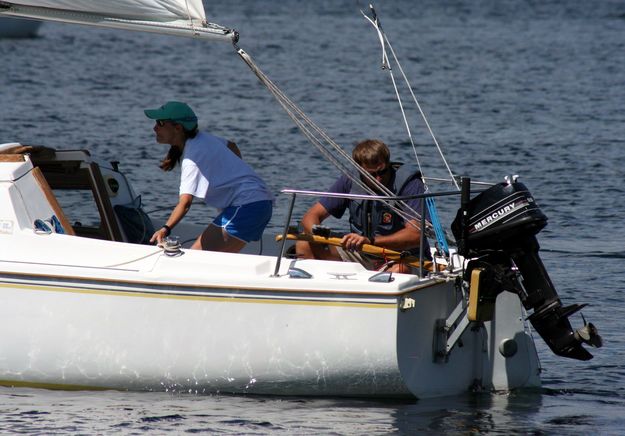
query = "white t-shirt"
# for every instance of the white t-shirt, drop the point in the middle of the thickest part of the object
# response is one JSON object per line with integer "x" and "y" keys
{"x": 212, "y": 172}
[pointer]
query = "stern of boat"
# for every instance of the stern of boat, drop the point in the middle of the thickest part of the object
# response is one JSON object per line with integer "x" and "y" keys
{"x": 440, "y": 352}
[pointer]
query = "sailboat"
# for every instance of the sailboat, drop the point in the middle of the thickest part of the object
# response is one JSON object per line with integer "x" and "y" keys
{"x": 90, "y": 305}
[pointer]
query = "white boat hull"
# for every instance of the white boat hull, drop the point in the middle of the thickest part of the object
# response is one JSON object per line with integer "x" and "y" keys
{"x": 124, "y": 332}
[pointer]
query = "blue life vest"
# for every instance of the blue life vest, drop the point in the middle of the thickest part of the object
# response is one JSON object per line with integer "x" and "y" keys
{"x": 370, "y": 218}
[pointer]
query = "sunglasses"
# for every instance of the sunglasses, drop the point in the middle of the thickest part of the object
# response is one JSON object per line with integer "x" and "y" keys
{"x": 161, "y": 123}
{"x": 379, "y": 173}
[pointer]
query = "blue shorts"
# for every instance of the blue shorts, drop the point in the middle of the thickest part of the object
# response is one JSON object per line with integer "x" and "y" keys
{"x": 245, "y": 222}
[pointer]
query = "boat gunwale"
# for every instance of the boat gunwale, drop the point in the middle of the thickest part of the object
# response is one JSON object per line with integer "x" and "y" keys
{"x": 194, "y": 289}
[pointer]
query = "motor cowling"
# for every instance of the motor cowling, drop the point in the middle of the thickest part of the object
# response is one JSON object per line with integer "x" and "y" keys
{"x": 500, "y": 216}
{"x": 497, "y": 229}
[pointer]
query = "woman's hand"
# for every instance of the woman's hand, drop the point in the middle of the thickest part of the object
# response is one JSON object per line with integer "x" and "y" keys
{"x": 159, "y": 235}
{"x": 181, "y": 209}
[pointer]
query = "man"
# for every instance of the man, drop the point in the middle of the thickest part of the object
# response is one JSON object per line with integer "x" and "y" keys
{"x": 371, "y": 222}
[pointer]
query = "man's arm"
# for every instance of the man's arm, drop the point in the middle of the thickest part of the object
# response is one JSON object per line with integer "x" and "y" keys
{"x": 306, "y": 250}
{"x": 403, "y": 239}
{"x": 315, "y": 215}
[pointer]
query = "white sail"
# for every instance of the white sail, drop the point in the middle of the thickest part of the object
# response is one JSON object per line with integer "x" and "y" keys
{"x": 147, "y": 10}
{"x": 178, "y": 17}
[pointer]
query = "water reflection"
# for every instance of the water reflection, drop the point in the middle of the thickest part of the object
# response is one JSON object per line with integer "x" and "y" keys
{"x": 473, "y": 413}
{"x": 40, "y": 411}
{"x": 540, "y": 411}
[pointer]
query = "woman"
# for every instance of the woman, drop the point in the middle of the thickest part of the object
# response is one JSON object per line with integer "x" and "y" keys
{"x": 211, "y": 169}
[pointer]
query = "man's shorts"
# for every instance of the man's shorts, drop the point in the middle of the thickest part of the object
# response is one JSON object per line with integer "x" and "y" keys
{"x": 245, "y": 222}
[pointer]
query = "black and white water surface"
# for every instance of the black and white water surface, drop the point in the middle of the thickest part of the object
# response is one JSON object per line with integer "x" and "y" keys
{"x": 535, "y": 88}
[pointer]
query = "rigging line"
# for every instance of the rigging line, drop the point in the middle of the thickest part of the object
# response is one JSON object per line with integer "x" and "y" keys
{"x": 387, "y": 65}
{"x": 347, "y": 157}
{"x": 376, "y": 23}
{"x": 293, "y": 110}
{"x": 357, "y": 180}
{"x": 295, "y": 114}
{"x": 290, "y": 107}
{"x": 425, "y": 120}
{"x": 186, "y": 3}
{"x": 439, "y": 232}
{"x": 403, "y": 114}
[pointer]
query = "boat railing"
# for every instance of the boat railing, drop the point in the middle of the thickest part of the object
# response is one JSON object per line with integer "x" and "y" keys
{"x": 294, "y": 193}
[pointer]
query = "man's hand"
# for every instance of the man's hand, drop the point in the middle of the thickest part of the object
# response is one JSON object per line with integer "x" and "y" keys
{"x": 354, "y": 241}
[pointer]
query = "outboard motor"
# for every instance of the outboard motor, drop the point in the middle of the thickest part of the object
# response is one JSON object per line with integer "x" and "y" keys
{"x": 497, "y": 229}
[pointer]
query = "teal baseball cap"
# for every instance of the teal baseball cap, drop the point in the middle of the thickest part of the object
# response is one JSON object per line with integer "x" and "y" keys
{"x": 175, "y": 111}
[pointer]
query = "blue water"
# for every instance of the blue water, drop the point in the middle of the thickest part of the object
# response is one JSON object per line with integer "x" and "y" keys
{"x": 530, "y": 88}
